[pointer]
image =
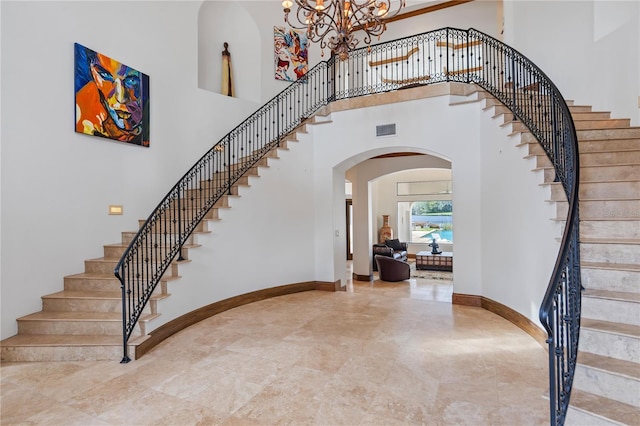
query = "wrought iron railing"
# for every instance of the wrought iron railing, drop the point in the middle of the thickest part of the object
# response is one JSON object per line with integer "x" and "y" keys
{"x": 445, "y": 55}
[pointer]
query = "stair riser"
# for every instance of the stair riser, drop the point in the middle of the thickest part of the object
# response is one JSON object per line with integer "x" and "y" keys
{"x": 72, "y": 327}
{"x": 605, "y": 229}
{"x": 84, "y": 284}
{"x": 107, "y": 267}
{"x": 171, "y": 228}
{"x": 630, "y": 133}
{"x": 612, "y": 386}
{"x": 243, "y": 181}
{"x": 622, "y": 347}
{"x": 577, "y": 417}
{"x": 607, "y": 190}
{"x": 606, "y": 253}
{"x": 204, "y": 194}
{"x": 609, "y": 145}
{"x": 618, "y": 209}
{"x": 580, "y": 108}
{"x": 611, "y": 310}
{"x": 609, "y": 158}
{"x": 127, "y": 237}
{"x": 116, "y": 252}
{"x": 596, "y": 174}
{"x": 611, "y": 279}
{"x": 89, "y": 305}
{"x": 618, "y": 123}
{"x": 62, "y": 353}
{"x": 586, "y": 116}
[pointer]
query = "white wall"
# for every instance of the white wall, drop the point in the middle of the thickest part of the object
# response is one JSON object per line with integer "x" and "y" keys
{"x": 57, "y": 184}
{"x": 589, "y": 49}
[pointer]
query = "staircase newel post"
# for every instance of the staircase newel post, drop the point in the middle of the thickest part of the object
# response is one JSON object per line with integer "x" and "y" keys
{"x": 278, "y": 136}
{"x": 125, "y": 348}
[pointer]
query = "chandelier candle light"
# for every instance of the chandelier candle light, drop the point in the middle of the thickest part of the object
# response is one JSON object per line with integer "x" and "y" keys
{"x": 338, "y": 18}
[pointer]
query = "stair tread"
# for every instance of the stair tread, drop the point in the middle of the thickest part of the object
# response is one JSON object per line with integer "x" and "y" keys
{"x": 630, "y": 241}
{"x": 611, "y": 327}
{"x": 75, "y": 294}
{"x": 604, "y": 407}
{"x": 612, "y": 266}
{"x": 614, "y": 295}
{"x": 613, "y": 365}
{"x": 79, "y": 316}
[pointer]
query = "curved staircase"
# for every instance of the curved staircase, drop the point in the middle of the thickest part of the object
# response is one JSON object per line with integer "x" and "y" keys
{"x": 83, "y": 322}
{"x": 606, "y": 388}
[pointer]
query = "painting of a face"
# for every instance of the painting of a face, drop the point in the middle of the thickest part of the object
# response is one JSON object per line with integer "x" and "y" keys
{"x": 120, "y": 91}
{"x": 112, "y": 99}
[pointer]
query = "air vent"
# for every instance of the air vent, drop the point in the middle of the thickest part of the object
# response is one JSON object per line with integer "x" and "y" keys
{"x": 386, "y": 130}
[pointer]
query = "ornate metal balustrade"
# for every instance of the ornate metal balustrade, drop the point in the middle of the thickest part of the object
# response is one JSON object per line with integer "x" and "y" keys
{"x": 445, "y": 55}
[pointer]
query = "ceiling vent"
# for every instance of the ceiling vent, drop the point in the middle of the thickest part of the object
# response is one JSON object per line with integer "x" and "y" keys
{"x": 386, "y": 130}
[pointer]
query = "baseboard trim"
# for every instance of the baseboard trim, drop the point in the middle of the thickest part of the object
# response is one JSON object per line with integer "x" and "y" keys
{"x": 514, "y": 317}
{"x": 362, "y": 277}
{"x": 166, "y": 330}
{"x": 327, "y": 286}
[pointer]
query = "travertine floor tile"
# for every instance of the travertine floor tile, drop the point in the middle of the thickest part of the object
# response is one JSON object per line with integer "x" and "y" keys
{"x": 379, "y": 354}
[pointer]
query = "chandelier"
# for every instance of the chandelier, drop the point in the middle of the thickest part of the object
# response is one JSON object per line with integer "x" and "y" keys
{"x": 338, "y": 18}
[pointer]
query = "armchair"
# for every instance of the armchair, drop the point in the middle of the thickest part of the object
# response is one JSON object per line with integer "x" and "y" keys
{"x": 391, "y": 269}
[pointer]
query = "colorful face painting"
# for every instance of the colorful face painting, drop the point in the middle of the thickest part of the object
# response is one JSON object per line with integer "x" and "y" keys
{"x": 290, "y": 54}
{"x": 112, "y": 99}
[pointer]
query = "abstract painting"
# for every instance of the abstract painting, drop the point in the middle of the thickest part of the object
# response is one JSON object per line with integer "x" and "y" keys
{"x": 112, "y": 99}
{"x": 290, "y": 53}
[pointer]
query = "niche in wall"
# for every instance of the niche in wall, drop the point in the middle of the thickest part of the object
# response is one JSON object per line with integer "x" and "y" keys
{"x": 217, "y": 24}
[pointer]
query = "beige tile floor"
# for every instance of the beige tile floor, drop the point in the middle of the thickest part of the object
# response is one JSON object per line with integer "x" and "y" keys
{"x": 378, "y": 354}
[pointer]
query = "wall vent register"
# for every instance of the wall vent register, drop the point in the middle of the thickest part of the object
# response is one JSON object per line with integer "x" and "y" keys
{"x": 386, "y": 130}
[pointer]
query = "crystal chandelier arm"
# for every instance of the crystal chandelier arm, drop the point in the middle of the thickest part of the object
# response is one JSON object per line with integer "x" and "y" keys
{"x": 332, "y": 22}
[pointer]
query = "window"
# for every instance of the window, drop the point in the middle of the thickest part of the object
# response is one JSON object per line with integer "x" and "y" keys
{"x": 422, "y": 221}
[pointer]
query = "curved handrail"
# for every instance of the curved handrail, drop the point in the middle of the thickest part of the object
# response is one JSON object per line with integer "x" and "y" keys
{"x": 444, "y": 55}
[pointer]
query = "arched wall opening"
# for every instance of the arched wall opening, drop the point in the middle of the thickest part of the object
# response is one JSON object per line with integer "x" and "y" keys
{"x": 370, "y": 200}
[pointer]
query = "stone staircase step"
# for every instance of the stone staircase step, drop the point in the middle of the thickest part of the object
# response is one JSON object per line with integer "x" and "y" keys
{"x": 573, "y": 109}
{"x": 623, "y": 228}
{"x": 600, "y": 134}
{"x": 601, "y": 252}
{"x": 127, "y": 237}
{"x": 610, "y": 158}
{"x": 610, "y": 123}
{"x": 590, "y": 115}
{"x": 169, "y": 227}
{"x": 603, "y": 190}
{"x": 611, "y": 278}
{"x": 53, "y": 347}
{"x": 614, "y": 209}
{"x": 606, "y": 145}
{"x": 587, "y": 409}
{"x": 93, "y": 301}
{"x": 115, "y": 251}
{"x": 610, "y": 339}
{"x": 105, "y": 282}
{"x": 608, "y": 377}
{"x": 620, "y": 172}
{"x": 614, "y": 306}
{"x": 78, "y": 323}
{"x": 105, "y": 266}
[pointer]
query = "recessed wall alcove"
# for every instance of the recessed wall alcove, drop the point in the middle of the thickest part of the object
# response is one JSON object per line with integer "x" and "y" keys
{"x": 217, "y": 24}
